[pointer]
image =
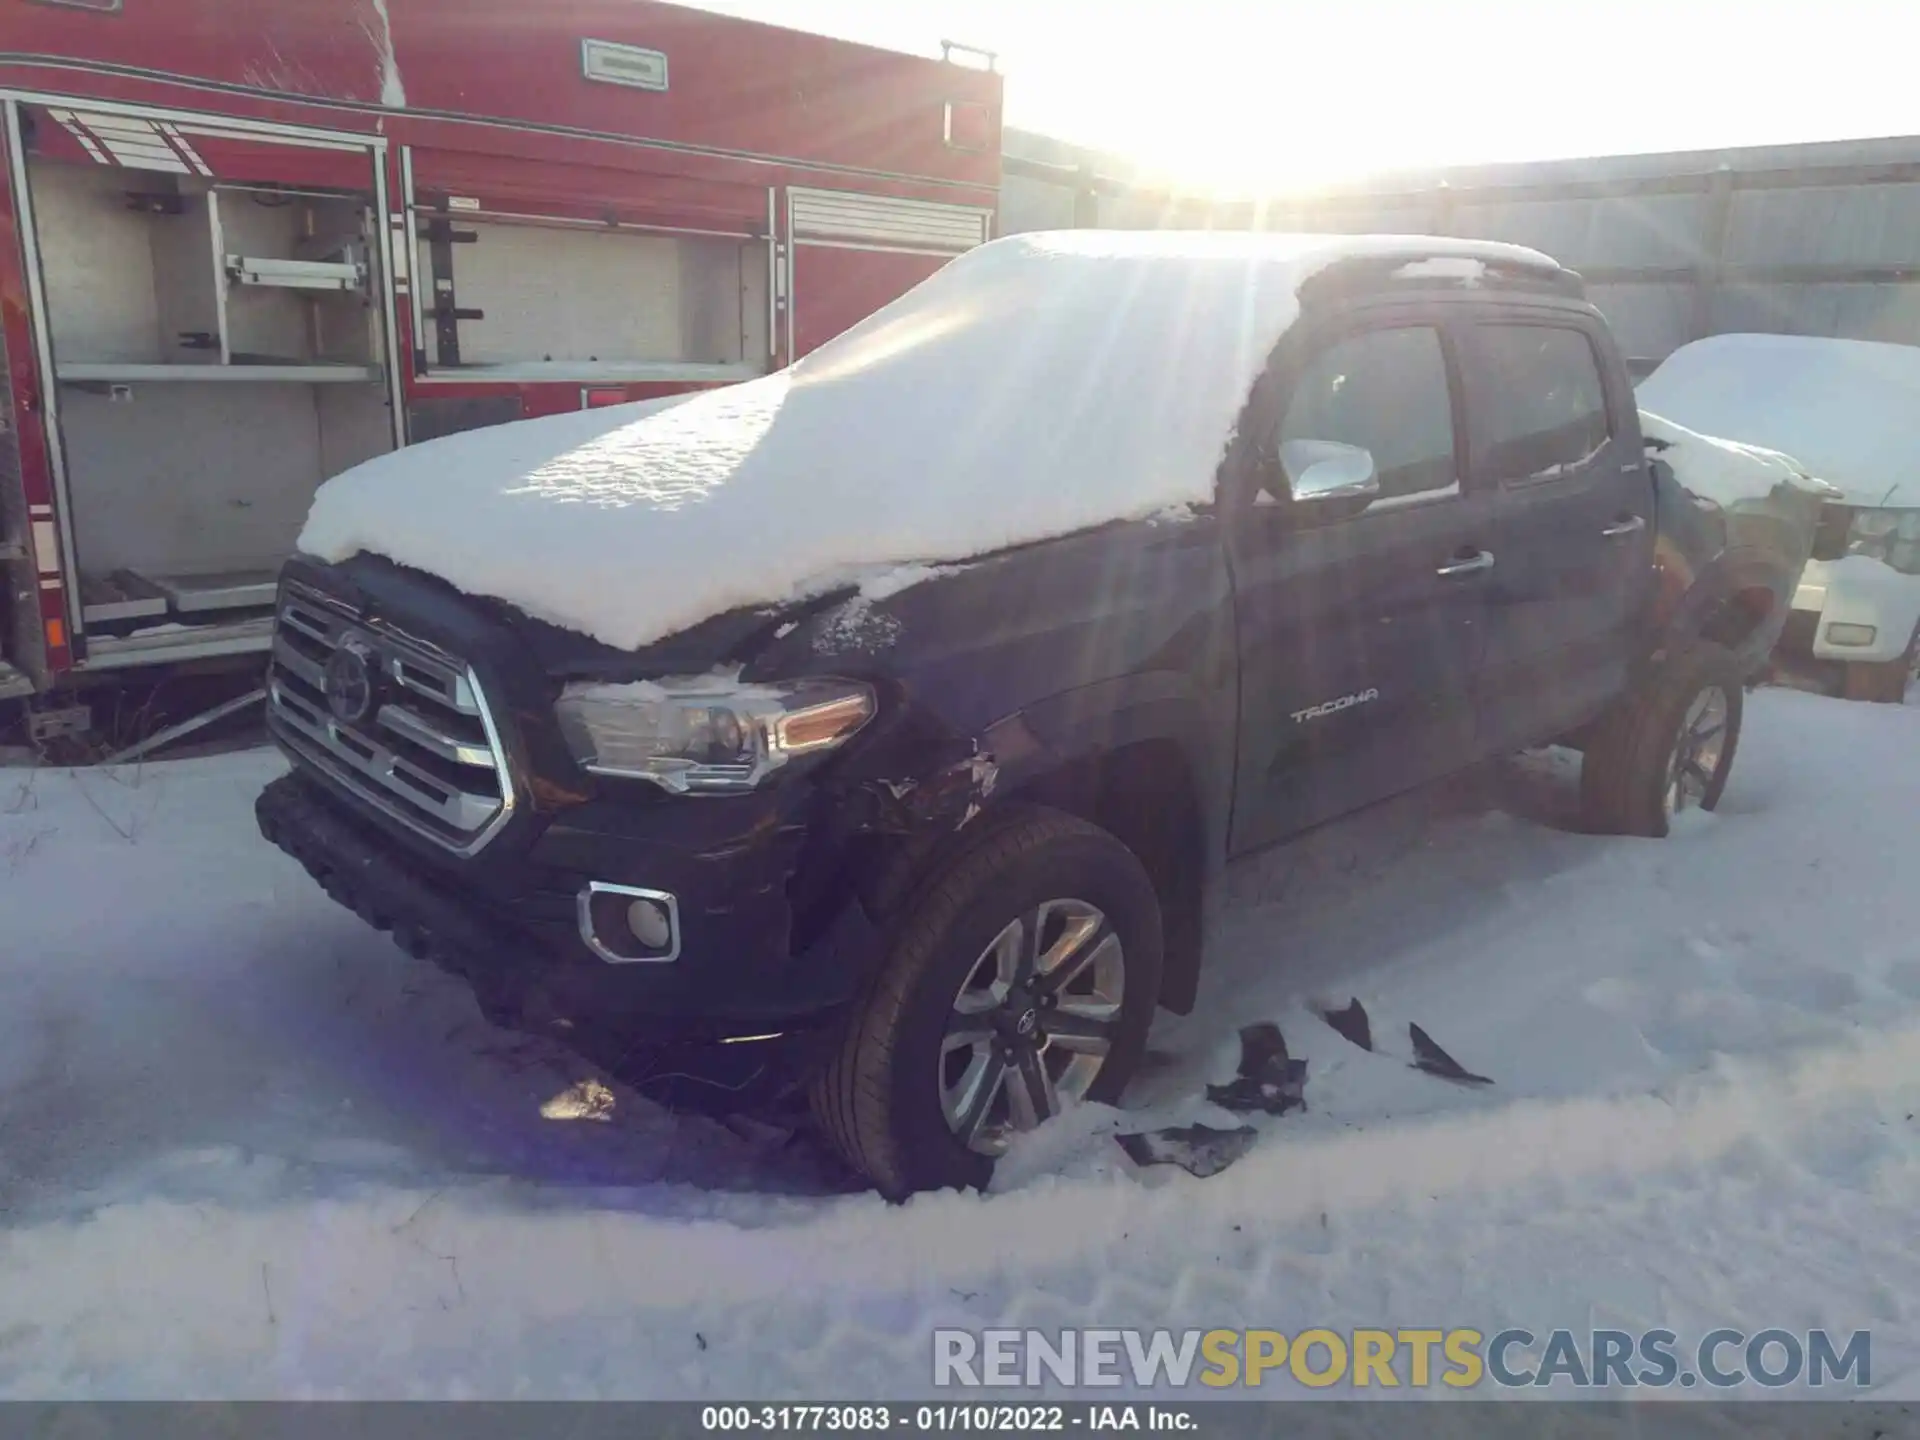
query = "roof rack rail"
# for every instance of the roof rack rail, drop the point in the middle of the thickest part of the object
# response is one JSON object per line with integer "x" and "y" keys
{"x": 1379, "y": 272}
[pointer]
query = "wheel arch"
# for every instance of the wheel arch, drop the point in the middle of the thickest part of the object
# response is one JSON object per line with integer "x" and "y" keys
{"x": 1740, "y": 601}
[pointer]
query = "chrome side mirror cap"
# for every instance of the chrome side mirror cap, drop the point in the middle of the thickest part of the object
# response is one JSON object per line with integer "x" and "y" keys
{"x": 1321, "y": 470}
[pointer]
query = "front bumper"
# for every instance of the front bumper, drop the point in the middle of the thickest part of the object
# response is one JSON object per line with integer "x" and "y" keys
{"x": 737, "y": 1000}
{"x": 1860, "y": 593}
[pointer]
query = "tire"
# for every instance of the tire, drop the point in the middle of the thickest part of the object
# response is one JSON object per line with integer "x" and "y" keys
{"x": 1883, "y": 682}
{"x": 883, "y": 1097}
{"x": 1629, "y": 777}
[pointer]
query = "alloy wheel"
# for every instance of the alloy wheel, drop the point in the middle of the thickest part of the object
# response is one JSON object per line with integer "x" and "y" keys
{"x": 1697, "y": 751}
{"x": 1031, "y": 1024}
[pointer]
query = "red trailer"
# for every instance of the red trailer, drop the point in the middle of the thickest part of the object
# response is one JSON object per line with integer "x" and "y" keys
{"x": 245, "y": 247}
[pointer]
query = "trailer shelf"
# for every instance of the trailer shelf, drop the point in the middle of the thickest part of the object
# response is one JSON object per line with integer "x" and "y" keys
{"x": 110, "y": 372}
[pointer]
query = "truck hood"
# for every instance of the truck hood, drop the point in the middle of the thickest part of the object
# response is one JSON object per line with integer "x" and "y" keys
{"x": 1847, "y": 410}
{"x": 1726, "y": 471}
{"x": 1037, "y": 386}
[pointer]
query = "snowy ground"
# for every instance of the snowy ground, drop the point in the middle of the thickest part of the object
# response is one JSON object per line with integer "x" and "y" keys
{"x": 248, "y": 1149}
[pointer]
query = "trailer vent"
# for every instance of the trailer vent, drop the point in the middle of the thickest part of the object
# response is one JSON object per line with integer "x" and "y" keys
{"x": 839, "y": 216}
{"x": 402, "y": 725}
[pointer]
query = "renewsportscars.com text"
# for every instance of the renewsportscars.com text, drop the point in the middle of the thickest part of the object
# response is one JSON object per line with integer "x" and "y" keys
{"x": 1457, "y": 1359}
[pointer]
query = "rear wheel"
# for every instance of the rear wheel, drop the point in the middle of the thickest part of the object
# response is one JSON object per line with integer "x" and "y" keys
{"x": 1021, "y": 980}
{"x": 1668, "y": 746}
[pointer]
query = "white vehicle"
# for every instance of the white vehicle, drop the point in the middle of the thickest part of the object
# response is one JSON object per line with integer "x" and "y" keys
{"x": 1849, "y": 411}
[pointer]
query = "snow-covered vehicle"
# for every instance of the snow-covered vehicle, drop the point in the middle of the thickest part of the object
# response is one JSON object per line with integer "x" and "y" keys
{"x": 876, "y": 728}
{"x": 1849, "y": 411}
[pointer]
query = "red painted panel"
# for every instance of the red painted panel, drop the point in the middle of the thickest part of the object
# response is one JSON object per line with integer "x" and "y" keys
{"x": 23, "y": 385}
{"x": 279, "y": 162}
{"x": 587, "y": 192}
{"x": 834, "y": 289}
{"x": 733, "y": 85}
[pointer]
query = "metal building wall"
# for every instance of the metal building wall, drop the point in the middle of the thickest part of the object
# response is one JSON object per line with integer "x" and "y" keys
{"x": 1804, "y": 239}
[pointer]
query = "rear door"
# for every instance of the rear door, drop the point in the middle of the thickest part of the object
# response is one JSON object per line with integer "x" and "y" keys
{"x": 1359, "y": 622}
{"x": 1575, "y": 533}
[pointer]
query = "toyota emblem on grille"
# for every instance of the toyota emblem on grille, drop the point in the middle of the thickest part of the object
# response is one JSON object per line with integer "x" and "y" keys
{"x": 350, "y": 682}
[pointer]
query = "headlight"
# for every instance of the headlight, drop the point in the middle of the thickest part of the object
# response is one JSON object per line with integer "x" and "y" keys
{"x": 1889, "y": 535}
{"x": 709, "y": 734}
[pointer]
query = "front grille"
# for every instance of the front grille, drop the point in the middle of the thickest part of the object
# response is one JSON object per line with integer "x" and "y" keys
{"x": 424, "y": 749}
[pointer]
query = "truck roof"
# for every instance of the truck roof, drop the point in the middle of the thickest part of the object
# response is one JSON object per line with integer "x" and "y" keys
{"x": 1036, "y": 386}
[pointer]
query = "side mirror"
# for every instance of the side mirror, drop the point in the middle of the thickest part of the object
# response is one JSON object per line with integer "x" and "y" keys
{"x": 1320, "y": 470}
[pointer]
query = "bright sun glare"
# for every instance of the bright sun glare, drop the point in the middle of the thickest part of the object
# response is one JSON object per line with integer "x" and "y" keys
{"x": 1252, "y": 95}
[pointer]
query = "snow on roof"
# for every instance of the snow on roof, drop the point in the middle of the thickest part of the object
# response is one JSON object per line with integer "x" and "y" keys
{"x": 1038, "y": 385}
{"x": 1724, "y": 471}
{"x": 1849, "y": 410}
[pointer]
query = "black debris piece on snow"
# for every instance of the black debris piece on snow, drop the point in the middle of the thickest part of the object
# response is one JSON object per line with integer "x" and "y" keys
{"x": 1269, "y": 1082}
{"x": 1352, "y": 1023}
{"x": 1431, "y": 1058}
{"x": 1200, "y": 1150}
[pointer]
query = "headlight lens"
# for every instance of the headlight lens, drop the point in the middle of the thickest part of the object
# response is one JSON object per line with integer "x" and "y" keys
{"x": 1889, "y": 535}
{"x": 708, "y": 734}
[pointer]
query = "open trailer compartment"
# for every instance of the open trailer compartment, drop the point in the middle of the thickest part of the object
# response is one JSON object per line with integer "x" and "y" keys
{"x": 219, "y": 348}
{"x": 237, "y": 260}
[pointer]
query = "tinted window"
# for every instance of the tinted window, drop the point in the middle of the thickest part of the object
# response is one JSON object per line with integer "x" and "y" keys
{"x": 1546, "y": 410}
{"x": 1386, "y": 391}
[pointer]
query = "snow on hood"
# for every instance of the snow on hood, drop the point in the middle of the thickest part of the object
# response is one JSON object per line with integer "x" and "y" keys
{"x": 1849, "y": 410}
{"x": 1725, "y": 471}
{"x": 1038, "y": 385}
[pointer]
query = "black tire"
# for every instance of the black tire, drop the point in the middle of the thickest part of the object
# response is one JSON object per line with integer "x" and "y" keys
{"x": 878, "y": 1099}
{"x": 1626, "y": 777}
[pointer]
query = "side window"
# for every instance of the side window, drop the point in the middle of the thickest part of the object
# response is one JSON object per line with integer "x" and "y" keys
{"x": 1545, "y": 411}
{"x": 1384, "y": 391}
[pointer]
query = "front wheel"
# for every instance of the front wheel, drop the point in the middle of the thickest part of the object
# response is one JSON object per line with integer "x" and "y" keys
{"x": 1666, "y": 747}
{"x": 1022, "y": 979}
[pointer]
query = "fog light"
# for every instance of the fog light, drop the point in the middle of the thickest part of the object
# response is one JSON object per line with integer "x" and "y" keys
{"x": 1850, "y": 635}
{"x": 624, "y": 925}
{"x": 649, "y": 924}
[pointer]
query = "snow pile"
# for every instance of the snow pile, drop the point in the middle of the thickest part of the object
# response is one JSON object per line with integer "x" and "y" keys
{"x": 1849, "y": 410}
{"x": 1725, "y": 471}
{"x": 1036, "y": 386}
{"x": 249, "y": 1149}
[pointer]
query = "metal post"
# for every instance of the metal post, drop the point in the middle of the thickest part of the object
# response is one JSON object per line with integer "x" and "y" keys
{"x": 1712, "y": 265}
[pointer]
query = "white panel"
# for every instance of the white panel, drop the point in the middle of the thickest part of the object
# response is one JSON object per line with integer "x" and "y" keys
{"x": 567, "y": 295}
{"x": 355, "y": 424}
{"x": 98, "y": 264}
{"x": 264, "y": 320}
{"x": 553, "y": 295}
{"x": 187, "y": 478}
{"x": 883, "y": 220}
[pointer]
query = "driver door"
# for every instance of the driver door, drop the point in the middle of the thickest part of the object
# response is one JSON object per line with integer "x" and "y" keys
{"x": 1360, "y": 617}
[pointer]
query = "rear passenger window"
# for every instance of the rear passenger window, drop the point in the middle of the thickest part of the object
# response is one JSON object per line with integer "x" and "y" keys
{"x": 1545, "y": 411}
{"x": 1386, "y": 392}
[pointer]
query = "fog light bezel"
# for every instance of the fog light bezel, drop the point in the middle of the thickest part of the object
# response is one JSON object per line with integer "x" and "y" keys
{"x": 591, "y": 932}
{"x": 1866, "y": 634}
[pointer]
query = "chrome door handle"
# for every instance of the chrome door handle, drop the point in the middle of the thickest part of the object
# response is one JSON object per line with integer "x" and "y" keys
{"x": 1482, "y": 561}
{"x": 1632, "y": 525}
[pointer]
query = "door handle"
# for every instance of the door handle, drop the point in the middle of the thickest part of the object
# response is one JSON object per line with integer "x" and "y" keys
{"x": 1631, "y": 525}
{"x": 1470, "y": 565}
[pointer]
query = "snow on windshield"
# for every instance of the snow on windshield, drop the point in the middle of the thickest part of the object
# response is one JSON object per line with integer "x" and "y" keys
{"x": 1849, "y": 410}
{"x": 1039, "y": 385}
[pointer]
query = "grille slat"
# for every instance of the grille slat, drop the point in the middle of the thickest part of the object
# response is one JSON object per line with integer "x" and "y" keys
{"x": 427, "y": 754}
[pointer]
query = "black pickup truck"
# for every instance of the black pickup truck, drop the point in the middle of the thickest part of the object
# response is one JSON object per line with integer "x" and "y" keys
{"x": 941, "y": 885}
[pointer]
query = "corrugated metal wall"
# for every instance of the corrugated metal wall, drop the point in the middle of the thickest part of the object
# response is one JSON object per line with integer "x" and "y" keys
{"x": 1803, "y": 239}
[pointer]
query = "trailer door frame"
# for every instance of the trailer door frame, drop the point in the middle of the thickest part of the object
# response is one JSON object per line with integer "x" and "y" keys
{"x": 64, "y": 571}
